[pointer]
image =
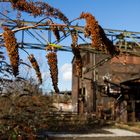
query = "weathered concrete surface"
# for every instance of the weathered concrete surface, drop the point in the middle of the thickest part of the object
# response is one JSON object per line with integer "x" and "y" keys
{"x": 98, "y": 138}
{"x": 115, "y": 134}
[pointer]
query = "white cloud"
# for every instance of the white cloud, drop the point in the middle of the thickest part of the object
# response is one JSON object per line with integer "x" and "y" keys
{"x": 45, "y": 75}
{"x": 66, "y": 71}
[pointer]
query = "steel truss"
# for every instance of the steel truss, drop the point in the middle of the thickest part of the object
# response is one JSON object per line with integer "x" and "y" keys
{"x": 42, "y": 35}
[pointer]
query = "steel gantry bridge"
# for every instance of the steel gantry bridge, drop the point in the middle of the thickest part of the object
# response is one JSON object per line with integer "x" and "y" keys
{"x": 35, "y": 36}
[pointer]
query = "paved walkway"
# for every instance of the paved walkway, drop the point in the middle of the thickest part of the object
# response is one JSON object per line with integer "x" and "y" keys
{"x": 114, "y": 133}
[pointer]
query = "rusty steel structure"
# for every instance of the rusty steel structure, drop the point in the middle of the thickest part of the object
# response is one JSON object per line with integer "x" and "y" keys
{"x": 42, "y": 35}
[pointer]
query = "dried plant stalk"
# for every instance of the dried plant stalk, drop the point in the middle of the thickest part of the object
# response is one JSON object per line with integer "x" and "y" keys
{"x": 74, "y": 36}
{"x": 78, "y": 60}
{"x": 39, "y": 8}
{"x": 55, "y": 31}
{"x": 76, "y": 52}
{"x": 92, "y": 29}
{"x": 62, "y": 29}
{"x": 12, "y": 49}
{"x": 36, "y": 67}
{"x": 50, "y": 48}
{"x": 13, "y": 1}
{"x": 98, "y": 37}
{"x": 52, "y": 62}
{"x": 110, "y": 48}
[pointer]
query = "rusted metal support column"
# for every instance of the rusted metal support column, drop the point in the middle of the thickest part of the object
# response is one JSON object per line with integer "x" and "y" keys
{"x": 94, "y": 83}
{"x": 133, "y": 111}
{"x": 81, "y": 95}
{"x": 94, "y": 95}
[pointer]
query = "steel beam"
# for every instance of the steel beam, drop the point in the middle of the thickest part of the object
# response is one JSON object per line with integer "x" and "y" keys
{"x": 115, "y": 36}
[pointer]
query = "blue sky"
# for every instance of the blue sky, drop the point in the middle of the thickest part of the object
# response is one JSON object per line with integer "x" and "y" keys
{"x": 113, "y": 14}
{"x": 116, "y": 14}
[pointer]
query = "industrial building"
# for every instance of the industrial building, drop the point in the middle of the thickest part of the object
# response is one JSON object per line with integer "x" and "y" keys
{"x": 109, "y": 87}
